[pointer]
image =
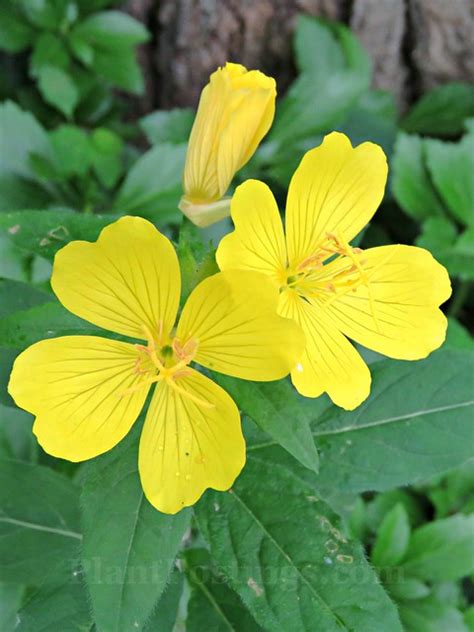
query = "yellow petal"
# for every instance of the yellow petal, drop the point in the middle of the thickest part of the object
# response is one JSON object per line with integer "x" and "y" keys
{"x": 74, "y": 385}
{"x": 126, "y": 280}
{"x": 235, "y": 111}
{"x": 258, "y": 242}
{"x": 397, "y": 313}
{"x": 336, "y": 188}
{"x": 232, "y": 315}
{"x": 191, "y": 440}
{"x": 329, "y": 363}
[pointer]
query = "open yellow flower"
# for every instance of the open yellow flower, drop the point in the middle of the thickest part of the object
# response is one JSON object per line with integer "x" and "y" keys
{"x": 235, "y": 112}
{"x": 384, "y": 298}
{"x": 86, "y": 391}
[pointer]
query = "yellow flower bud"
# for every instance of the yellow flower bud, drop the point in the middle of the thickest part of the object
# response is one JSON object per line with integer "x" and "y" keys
{"x": 235, "y": 112}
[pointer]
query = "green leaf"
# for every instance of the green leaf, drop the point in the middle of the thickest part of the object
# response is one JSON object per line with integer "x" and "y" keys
{"x": 430, "y": 615}
{"x": 20, "y": 136}
{"x": 469, "y": 618}
{"x": 324, "y": 92}
{"x": 58, "y": 89}
{"x": 16, "y": 296}
{"x": 165, "y": 613}
{"x": 283, "y": 552}
{"x": 46, "y": 14}
{"x": 451, "y": 166}
{"x": 51, "y": 320}
{"x": 278, "y": 410}
{"x": 442, "y": 111}
{"x": 168, "y": 126}
{"x": 407, "y": 588}
{"x": 126, "y": 567}
{"x": 442, "y": 550}
{"x": 18, "y": 193}
{"x": 112, "y": 29}
{"x": 49, "y": 50}
{"x": 152, "y": 187}
{"x": 416, "y": 423}
{"x": 197, "y": 261}
{"x": 64, "y": 607}
{"x": 458, "y": 337}
{"x": 120, "y": 68}
{"x": 107, "y": 156}
{"x": 15, "y": 33}
{"x": 72, "y": 150}
{"x": 212, "y": 604}
{"x": 411, "y": 184}
{"x": 46, "y": 232}
{"x": 16, "y": 439}
{"x": 392, "y": 538}
{"x": 10, "y": 599}
{"x": 39, "y": 524}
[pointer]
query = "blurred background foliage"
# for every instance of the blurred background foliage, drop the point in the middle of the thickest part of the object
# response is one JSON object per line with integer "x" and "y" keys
{"x": 73, "y": 155}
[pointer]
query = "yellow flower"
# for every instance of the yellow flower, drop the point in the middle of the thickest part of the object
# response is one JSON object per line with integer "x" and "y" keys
{"x": 384, "y": 298}
{"x": 235, "y": 112}
{"x": 86, "y": 391}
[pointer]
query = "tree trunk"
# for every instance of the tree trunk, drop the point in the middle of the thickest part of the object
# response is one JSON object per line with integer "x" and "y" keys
{"x": 414, "y": 44}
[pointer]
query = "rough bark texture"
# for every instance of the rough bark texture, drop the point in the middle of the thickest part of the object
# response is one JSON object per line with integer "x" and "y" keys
{"x": 415, "y": 44}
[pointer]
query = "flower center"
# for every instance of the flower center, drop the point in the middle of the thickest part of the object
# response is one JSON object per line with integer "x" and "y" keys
{"x": 166, "y": 363}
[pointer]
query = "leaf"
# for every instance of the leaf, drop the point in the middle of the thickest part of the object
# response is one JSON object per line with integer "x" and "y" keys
{"x": 282, "y": 550}
{"x": 442, "y": 550}
{"x": 212, "y": 604}
{"x": 197, "y": 261}
{"x": 120, "y": 68}
{"x": 72, "y": 150}
{"x": 126, "y": 567}
{"x": 392, "y": 538}
{"x": 411, "y": 183}
{"x": 458, "y": 337}
{"x": 47, "y": 14}
{"x": 323, "y": 93}
{"x": 442, "y": 111}
{"x": 58, "y": 89}
{"x": 430, "y": 615}
{"x": 39, "y": 524}
{"x": 16, "y": 439}
{"x": 10, "y": 599}
{"x": 112, "y": 29}
{"x": 46, "y": 232}
{"x": 20, "y": 136}
{"x": 107, "y": 156}
{"x": 451, "y": 166}
{"x": 50, "y": 50}
{"x": 278, "y": 410}
{"x": 63, "y": 607}
{"x": 168, "y": 126}
{"x": 50, "y": 320}
{"x": 16, "y": 296}
{"x": 152, "y": 187}
{"x": 7, "y": 357}
{"x": 18, "y": 193}
{"x": 407, "y": 588}
{"x": 15, "y": 33}
{"x": 165, "y": 613}
{"x": 416, "y": 423}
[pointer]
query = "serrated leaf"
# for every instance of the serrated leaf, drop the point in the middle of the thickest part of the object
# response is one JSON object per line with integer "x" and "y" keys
{"x": 392, "y": 538}
{"x": 279, "y": 411}
{"x": 442, "y": 550}
{"x": 416, "y": 423}
{"x": 168, "y": 126}
{"x": 152, "y": 187}
{"x": 442, "y": 111}
{"x": 64, "y": 607}
{"x": 58, "y": 89}
{"x": 45, "y": 232}
{"x": 283, "y": 552}
{"x": 39, "y": 524}
{"x": 451, "y": 166}
{"x": 127, "y": 566}
{"x": 165, "y": 613}
{"x": 411, "y": 184}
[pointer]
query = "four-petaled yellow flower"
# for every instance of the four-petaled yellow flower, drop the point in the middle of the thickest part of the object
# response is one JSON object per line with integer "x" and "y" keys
{"x": 86, "y": 391}
{"x": 235, "y": 112}
{"x": 384, "y": 298}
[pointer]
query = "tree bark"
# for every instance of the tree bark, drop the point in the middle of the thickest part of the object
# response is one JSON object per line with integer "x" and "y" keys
{"x": 415, "y": 45}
